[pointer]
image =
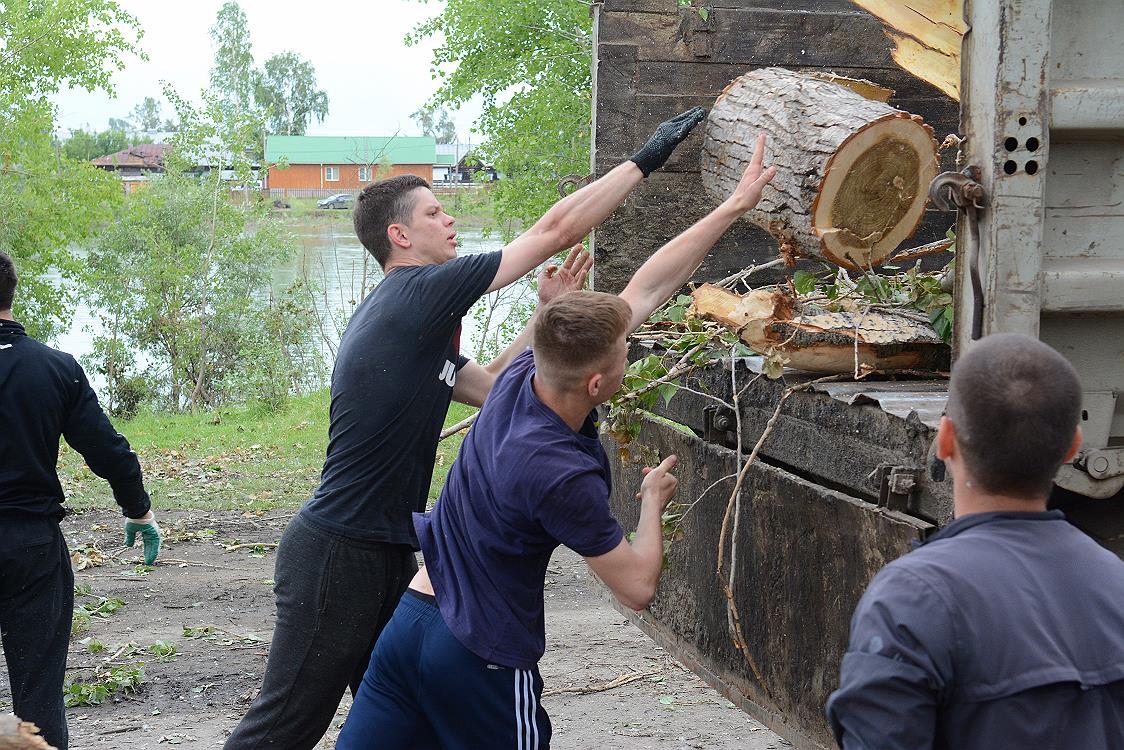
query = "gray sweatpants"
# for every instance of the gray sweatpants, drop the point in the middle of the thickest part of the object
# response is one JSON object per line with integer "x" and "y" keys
{"x": 334, "y": 596}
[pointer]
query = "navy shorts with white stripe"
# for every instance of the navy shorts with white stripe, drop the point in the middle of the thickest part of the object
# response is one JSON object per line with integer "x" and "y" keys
{"x": 424, "y": 690}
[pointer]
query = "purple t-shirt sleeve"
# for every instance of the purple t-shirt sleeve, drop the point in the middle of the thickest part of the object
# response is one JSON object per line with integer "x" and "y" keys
{"x": 577, "y": 514}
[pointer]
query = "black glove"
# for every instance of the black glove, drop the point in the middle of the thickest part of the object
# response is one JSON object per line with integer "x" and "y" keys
{"x": 668, "y": 135}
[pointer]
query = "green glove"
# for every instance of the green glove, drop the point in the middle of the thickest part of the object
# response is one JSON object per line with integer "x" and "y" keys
{"x": 150, "y": 535}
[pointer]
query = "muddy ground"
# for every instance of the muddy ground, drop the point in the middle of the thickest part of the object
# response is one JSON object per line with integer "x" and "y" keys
{"x": 213, "y": 579}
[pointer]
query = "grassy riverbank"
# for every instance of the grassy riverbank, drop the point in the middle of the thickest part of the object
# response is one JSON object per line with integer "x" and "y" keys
{"x": 471, "y": 207}
{"x": 241, "y": 459}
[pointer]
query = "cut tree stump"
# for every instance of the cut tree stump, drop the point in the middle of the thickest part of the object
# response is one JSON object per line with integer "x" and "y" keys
{"x": 853, "y": 173}
{"x": 820, "y": 341}
{"x": 20, "y": 735}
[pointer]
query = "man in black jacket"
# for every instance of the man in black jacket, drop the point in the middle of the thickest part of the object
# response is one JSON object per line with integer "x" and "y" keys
{"x": 44, "y": 395}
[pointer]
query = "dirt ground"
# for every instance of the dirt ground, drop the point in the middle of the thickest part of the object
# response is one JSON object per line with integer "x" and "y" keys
{"x": 212, "y": 578}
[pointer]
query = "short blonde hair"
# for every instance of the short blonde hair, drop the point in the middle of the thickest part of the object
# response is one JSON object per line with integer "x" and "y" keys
{"x": 576, "y": 333}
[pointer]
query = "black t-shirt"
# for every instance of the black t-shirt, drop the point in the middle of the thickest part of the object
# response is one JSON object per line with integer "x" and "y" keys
{"x": 391, "y": 388}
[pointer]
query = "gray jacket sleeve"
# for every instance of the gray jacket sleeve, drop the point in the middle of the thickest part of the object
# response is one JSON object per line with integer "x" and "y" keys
{"x": 897, "y": 666}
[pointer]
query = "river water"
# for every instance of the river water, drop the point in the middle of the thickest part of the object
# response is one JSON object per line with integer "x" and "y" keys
{"x": 329, "y": 255}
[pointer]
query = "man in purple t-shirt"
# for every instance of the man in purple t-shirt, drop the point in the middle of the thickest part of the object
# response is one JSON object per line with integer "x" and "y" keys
{"x": 456, "y": 666}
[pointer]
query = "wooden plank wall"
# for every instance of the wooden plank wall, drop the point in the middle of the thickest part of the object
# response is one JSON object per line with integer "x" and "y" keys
{"x": 655, "y": 59}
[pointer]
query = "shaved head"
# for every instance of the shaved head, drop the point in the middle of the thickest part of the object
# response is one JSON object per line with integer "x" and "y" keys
{"x": 1015, "y": 404}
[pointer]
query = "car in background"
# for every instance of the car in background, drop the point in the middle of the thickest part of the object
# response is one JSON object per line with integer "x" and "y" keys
{"x": 339, "y": 200}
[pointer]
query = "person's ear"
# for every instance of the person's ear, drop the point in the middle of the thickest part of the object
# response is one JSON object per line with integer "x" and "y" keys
{"x": 946, "y": 439}
{"x": 397, "y": 235}
{"x": 593, "y": 385}
{"x": 1078, "y": 438}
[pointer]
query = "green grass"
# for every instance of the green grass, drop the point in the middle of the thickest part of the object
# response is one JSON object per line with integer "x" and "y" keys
{"x": 244, "y": 459}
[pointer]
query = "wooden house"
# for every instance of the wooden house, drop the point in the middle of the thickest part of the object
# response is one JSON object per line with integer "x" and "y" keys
{"x": 318, "y": 166}
{"x": 134, "y": 164}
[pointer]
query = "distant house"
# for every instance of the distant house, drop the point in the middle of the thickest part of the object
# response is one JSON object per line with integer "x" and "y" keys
{"x": 444, "y": 169}
{"x": 449, "y": 156}
{"x": 322, "y": 165}
{"x": 134, "y": 164}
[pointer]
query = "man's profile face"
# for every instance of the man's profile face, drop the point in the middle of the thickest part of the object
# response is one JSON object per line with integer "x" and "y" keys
{"x": 430, "y": 229}
{"x": 613, "y": 372}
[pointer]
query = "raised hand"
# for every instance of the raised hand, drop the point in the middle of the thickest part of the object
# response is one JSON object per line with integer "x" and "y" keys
{"x": 659, "y": 484}
{"x": 668, "y": 135}
{"x": 555, "y": 280}
{"x": 754, "y": 179}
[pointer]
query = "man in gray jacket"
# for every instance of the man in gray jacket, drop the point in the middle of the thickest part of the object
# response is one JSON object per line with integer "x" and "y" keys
{"x": 1006, "y": 628}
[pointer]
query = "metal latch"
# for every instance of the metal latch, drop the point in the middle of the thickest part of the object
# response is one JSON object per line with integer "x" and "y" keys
{"x": 961, "y": 191}
{"x": 1105, "y": 463}
{"x": 896, "y": 485}
{"x": 720, "y": 425}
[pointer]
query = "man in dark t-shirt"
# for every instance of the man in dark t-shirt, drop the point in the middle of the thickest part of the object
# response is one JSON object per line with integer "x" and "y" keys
{"x": 456, "y": 666}
{"x": 345, "y": 559}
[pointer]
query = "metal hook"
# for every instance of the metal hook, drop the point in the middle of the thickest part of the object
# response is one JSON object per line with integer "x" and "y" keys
{"x": 959, "y": 191}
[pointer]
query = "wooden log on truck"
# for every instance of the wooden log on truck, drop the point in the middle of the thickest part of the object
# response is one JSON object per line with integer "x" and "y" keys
{"x": 819, "y": 340}
{"x": 853, "y": 173}
{"x": 20, "y": 735}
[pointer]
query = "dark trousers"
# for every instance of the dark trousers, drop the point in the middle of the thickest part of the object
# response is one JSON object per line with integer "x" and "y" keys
{"x": 36, "y": 607}
{"x": 334, "y": 596}
{"x": 424, "y": 690}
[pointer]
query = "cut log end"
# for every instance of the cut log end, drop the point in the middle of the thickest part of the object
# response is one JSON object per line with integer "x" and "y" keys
{"x": 852, "y": 175}
{"x": 874, "y": 191}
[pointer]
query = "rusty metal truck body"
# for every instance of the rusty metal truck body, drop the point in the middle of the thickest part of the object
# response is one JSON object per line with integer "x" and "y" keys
{"x": 842, "y": 484}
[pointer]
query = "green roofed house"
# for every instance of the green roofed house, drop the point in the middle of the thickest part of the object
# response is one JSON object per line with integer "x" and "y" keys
{"x": 323, "y": 165}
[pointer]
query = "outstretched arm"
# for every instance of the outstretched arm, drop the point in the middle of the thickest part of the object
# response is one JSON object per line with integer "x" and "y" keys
{"x": 574, "y": 216}
{"x": 670, "y": 266}
{"x": 631, "y": 571}
{"x": 474, "y": 381}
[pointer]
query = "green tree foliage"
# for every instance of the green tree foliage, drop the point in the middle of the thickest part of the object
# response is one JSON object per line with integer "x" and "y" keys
{"x": 287, "y": 89}
{"x": 436, "y": 123}
{"x": 146, "y": 115}
{"x": 181, "y": 277}
{"x": 530, "y": 63}
{"x": 84, "y": 145}
{"x": 233, "y": 75}
{"x": 49, "y": 200}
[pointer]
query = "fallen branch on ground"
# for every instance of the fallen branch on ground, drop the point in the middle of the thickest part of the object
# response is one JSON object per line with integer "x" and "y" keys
{"x": 624, "y": 679}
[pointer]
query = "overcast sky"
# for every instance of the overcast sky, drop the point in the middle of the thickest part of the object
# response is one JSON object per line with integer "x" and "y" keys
{"x": 373, "y": 80}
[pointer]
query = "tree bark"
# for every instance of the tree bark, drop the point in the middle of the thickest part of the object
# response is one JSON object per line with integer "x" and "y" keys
{"x": 820, "y": 341}
{"x": 853, "y": 174}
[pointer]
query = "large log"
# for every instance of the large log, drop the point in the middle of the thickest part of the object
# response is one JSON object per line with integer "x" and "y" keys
{"x": 822, "y": 341}
{"x": 853, "y": 174}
